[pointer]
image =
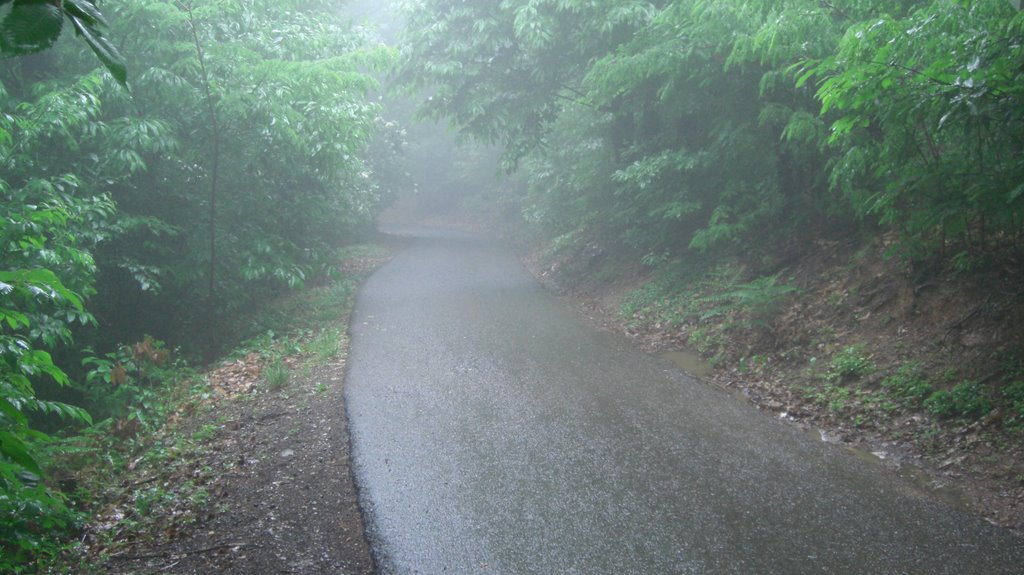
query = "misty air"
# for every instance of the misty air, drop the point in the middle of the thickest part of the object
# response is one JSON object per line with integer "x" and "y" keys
{"x": 511, "y": 287}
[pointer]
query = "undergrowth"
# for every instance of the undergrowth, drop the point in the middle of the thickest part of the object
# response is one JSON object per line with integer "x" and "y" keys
{"x": 849, "y": 364}
{"x": 140, "y": 395}
{"x": 707, "y": 300}
{"x": 909, "y": 389}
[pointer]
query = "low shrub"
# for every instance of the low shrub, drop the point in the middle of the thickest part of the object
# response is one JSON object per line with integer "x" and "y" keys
{"x": 908, "y": 382}
{"x": 851, "y": 363}
{"x": 965, "y": 399}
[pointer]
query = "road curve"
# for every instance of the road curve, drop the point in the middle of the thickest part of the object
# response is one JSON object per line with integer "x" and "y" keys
{"x": 493, "y": 433}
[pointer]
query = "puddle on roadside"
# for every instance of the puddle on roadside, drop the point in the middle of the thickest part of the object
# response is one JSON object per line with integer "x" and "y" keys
{"x": 690, "y": 362}
{"x": 696, "y": 366}
{"x": 951, "y": 496}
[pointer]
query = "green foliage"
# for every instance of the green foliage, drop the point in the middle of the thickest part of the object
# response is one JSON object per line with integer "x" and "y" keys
{"x": 295, "y": 177}
{"x": 671, "y": 298}
{"x": 850, "y": 363}
{"x": 129, "y": 384}
{"x": 205, "y": 433}
{"x": 760, "y": 299}
{"x": 31, "y": 25}
{"x": 289, "y": 86}
{"x": 964, "y": 399}
{"x": 688, "y": 291}
{"x": 1013, "y": 397}
{"x": 500, "y": 69}
{"x": 909, "y": 383}
{"x": 638, "y": 300}
{"x": 754, "y": 364}
{"x": 307, "y": 309}
{"x": 622, "y": 114}
{"x": 105, "y": 209}
{"x": 31, "y": 515}
{"x": 859, "y": 406}
{"x": 324, "y": 347}
{"x": 46, "y": 272}
{"x": 276, "y": 374}
{"x": 835, "y": 397}
{"x": 925, "y": 110}
{"x": 725, "y": 125}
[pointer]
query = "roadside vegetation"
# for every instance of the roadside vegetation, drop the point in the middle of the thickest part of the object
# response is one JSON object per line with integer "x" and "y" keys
{"x": 150, "y": 472}
{"x": 165, "y": 168}
{"x": 925, "y": 375}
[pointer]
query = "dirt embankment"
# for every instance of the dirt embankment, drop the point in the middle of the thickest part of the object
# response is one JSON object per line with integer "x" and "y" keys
{"x": 250, "y": 476}
{"x": 912, "y": 368}
{"x": 279, "y": 495}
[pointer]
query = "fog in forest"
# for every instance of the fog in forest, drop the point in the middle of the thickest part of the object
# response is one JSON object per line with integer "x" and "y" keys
{"x": 820, "y": 203}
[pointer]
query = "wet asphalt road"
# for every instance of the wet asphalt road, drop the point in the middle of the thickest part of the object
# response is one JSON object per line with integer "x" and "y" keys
{"x": 493, "y": 433}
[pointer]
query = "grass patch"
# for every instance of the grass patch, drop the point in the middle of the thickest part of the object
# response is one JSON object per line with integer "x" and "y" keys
{"x": 276, "y": 374}
{"x": 758, "y": 300}
{"x": 324, "y": 347}
{"x": 364, "y": 251}
{"x": 298, "y": 314}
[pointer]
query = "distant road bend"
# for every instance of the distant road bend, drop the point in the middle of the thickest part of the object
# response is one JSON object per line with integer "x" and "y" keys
{"x": 492, "y": 433}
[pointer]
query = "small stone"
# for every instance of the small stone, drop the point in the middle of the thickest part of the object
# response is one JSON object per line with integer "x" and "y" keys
{"x": 287, "y": 453}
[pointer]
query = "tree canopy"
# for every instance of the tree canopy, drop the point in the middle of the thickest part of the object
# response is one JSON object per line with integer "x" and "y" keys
{"x": 697, "y": 124}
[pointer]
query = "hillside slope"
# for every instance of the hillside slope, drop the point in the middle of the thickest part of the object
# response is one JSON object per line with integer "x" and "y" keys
{"x": 919, "y": 369}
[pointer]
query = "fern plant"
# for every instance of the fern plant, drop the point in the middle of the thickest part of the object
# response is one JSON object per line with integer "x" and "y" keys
{"x": 761, "y": 299}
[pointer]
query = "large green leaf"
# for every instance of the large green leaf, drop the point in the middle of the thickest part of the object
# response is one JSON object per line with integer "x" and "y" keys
{"x": 85, "y": 10}
{"x": 11, "y": 412}
{"x": 42, "y": 280}
{"x": 34, "y": 25}
{"x": 12, "y": 447}
{"x": 103, "y": 49}
{"x": 30, "y": 26}
{"x": 1016, "y": 193}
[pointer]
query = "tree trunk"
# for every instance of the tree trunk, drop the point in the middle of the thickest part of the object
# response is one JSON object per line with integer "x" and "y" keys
{"x": 214, "y": 176}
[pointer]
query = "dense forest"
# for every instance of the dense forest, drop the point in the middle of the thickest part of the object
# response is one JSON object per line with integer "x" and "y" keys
{"x": 168, "y": 165}
{"x": 165, "y": 166}
{"x": 699, "y": 126}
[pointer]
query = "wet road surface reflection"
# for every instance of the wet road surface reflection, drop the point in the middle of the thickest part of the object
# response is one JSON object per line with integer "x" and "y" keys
{"x": 492, "y": 433}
